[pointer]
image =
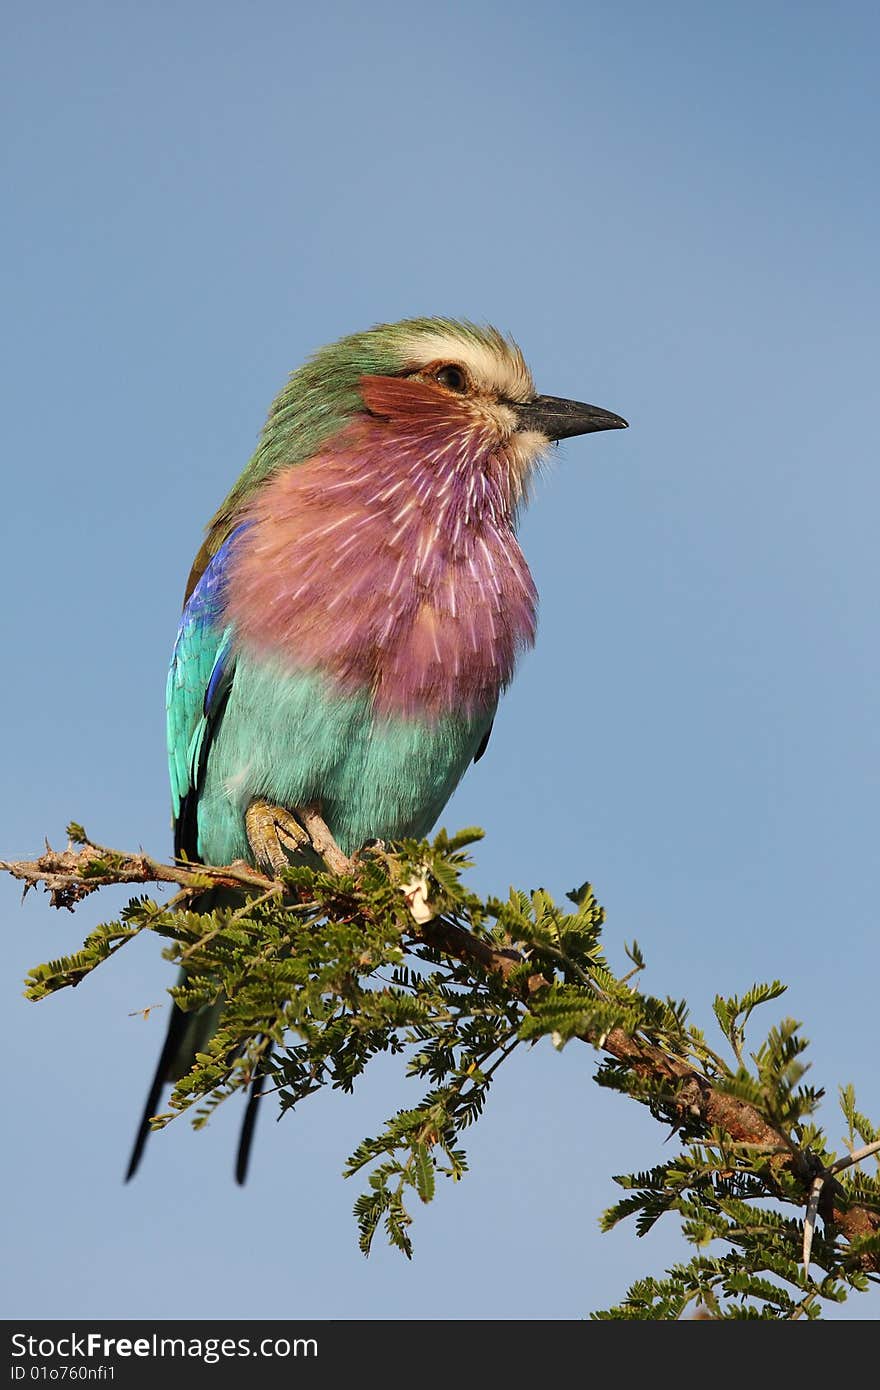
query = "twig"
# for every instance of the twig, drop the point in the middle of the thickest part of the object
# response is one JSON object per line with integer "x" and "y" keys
{"x": 802, "y": 1307}
{"x": 856, "y": 1157}
{"x": 816, "y": 1194}
{"x": 323, "y": 842}
{"x": 810, "y": 1218}
{"x": 69, "y": 875}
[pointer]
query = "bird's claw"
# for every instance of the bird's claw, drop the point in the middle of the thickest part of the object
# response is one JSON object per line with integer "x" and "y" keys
{"x": 272, "y": 831}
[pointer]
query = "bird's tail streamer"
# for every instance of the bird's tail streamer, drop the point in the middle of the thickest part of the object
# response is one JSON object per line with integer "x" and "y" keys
{"x": 187, "y": 1035}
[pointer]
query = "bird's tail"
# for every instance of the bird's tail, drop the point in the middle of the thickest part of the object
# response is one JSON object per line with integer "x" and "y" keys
{"x": 187, "y": 1035}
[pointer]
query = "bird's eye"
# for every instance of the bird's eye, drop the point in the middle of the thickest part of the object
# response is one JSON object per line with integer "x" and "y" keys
{"x": 451, "y": 377}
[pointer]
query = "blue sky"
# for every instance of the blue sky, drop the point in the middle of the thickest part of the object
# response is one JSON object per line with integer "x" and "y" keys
{"x": 674, "y": 210}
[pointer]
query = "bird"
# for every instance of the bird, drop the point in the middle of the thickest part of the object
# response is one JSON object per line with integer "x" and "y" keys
{"x": 356, "y": 610}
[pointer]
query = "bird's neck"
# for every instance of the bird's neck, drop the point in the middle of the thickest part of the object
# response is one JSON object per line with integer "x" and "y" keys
{"x": 390, "y": 563}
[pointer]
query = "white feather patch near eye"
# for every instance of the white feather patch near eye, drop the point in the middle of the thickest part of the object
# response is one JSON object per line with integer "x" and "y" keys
{"x": 495, "y": 369}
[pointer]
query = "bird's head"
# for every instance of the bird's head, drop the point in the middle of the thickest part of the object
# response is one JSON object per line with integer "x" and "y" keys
{"x": 452, "y": 390}
{"x": 430, "y": 376}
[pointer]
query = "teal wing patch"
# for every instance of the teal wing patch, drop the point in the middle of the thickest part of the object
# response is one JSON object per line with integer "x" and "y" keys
{"x": 199, "y": 680}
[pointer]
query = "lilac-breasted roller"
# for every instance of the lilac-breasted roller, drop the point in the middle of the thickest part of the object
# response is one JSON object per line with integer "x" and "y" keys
{"x": 357, "y": 607}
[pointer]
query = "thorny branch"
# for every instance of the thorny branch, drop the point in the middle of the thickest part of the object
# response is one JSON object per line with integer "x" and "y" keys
{"x": 72, "y": 874}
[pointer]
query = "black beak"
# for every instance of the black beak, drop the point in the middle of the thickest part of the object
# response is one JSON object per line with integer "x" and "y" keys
{"x": 560, "y": 419}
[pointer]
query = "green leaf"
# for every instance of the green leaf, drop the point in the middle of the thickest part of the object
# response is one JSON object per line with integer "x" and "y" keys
{"x": 423, "y": 1166}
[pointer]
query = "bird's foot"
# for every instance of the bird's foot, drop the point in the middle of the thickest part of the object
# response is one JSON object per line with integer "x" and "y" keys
{"x": 273, "y": 830}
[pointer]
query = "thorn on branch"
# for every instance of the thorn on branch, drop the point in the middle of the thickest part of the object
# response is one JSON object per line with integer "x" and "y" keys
{"x": 71, "y": 874}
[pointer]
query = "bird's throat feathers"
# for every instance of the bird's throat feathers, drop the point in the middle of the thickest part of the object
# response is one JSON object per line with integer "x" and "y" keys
{"x": 389, "y": 561}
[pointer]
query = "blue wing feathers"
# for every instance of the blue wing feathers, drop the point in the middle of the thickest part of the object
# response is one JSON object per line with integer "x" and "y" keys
{"x": 199, "y": 680}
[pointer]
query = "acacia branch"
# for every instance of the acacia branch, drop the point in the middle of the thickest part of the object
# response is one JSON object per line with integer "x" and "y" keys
{"x": 72, "y": 874}
{"x": 691, "y": 1095}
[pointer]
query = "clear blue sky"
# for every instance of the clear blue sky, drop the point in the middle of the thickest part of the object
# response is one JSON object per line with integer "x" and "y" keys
{"x": 674, "y": 208}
